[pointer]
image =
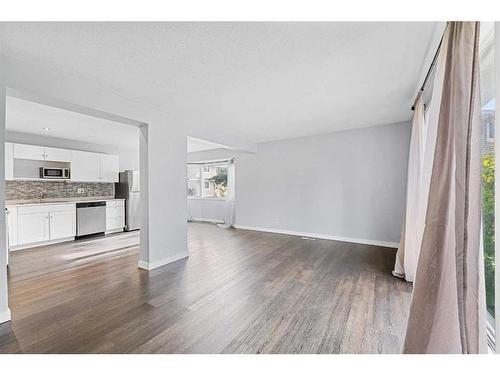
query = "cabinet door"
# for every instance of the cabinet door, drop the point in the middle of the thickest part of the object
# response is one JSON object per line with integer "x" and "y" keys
{"x": 62, "y": 225}
{"x": 57, "y": 154}
{"x": 85, "y": 166}
{"x": 115, "y": 215}
{"x": 12, "y": 224}
{"x": 28, "y": 152}
{"x": 32, "y": 227}
{"x": 109, "y": 168}
{"x": 9, "y": 161}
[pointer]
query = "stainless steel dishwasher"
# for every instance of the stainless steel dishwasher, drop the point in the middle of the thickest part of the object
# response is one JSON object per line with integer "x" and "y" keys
{"x": 90, "y": 218}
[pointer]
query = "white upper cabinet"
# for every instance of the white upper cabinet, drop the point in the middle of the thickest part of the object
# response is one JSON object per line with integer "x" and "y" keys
{"x": 85, "y": 166}
{"x": 94, "y": 167}
{"x": 109, "y": 168}
{"x": 57, "y": 154}
{"x": 29, "y": 152}
{"x": 9, "y": 161}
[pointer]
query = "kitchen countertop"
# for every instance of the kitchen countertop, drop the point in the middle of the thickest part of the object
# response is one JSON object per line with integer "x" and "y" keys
{"x": 25, "y": 202}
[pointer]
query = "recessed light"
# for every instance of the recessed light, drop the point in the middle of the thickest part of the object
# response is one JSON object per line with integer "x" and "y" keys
{"x": 46, "y": 129}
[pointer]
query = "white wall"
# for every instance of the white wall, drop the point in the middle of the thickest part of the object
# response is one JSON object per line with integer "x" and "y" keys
{"x": 162, "y": 152}
{"x": 206, "y": 209}
{"x": 4, "y": 308}
{"x": 348, "y": 185}
{"x": 129, "y": 157}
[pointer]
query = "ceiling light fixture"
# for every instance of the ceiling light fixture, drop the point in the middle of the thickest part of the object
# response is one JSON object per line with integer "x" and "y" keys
{"x": 46, "y": 129}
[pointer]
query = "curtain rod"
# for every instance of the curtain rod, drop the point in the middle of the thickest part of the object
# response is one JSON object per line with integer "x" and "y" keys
{"x": 431, "y": 68}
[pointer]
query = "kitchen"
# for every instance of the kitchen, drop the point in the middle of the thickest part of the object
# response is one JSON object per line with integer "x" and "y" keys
{"x": 73, "y": 191}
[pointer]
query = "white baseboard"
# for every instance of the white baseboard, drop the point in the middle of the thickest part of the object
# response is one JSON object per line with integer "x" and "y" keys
{"x": 5, "y": 316}
{"x": 151, "y": 266}
{"x": 321, "y": 236}
{"x": 216, "y": 221}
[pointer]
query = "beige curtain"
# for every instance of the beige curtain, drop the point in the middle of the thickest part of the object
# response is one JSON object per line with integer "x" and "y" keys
{"x": 229, "y": 209}
{"x": 416, "y": 201}
{"x": 420, "y": 161}
{"x": 448, "y": 313}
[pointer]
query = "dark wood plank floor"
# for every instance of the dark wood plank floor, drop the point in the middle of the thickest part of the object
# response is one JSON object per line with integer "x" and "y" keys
{"x": 238, "y": 292}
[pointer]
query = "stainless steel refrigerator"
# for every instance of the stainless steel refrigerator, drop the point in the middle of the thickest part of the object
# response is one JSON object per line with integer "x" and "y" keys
{"x": 129, "y": 188}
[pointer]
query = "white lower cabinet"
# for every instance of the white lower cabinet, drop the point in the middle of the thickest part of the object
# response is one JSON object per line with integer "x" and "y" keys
{"x": 33, "y": 227}
{"x": 12, "y": 225}
{"x": 115, "y": 215}
{"x": 62, "y": 224}
{"x": 43, "y": 223}
{"x": 30, "y": 225}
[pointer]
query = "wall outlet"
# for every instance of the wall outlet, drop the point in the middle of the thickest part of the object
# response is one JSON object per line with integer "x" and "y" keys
{"x": 81, "y": 190}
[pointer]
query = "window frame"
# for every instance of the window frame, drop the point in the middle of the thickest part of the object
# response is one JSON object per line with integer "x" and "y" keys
{"x": 490, "y": 138}
{"x": 493, "y": 330}
{"x": 203, "y": 169}
{"x": 188, "y": 179}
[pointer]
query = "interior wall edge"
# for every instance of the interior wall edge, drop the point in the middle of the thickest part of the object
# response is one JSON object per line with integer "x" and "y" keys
{"x": 5, "y": 316}
{"x": 163, "y": 262}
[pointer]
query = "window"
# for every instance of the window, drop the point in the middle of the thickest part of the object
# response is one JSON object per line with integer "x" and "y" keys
{"x": 490, "y": 128}
{"x": 212, "y": 177}
{"x": 488, "y": 102}
{"x": 193, "y": 181}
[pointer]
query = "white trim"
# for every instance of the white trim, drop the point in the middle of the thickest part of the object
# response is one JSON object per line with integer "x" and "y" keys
{"x": 215, "y": 199}
{"x": 43, "y": 243}
{"x": 204, "y": 220}
{"x": 321, "y": 236}
{"x": 5, "y": 316}
{"x": 497, "y": 186}
{"x": 489, "y": 138}
{"x": 151, "y": 266}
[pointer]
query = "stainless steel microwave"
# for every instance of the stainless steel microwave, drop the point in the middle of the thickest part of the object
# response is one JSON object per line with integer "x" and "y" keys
{"x": 59, "y": 173}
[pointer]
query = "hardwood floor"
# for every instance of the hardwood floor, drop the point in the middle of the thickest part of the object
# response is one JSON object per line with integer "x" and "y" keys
{"x": 238, "y": 292}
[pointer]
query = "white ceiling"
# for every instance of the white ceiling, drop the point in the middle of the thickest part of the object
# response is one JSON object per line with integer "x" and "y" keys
{"x": 31, "y": 118}
{"x": 28, "y": 117}
{"x": 196, "y": 144}
{"x": 263, "y": 81}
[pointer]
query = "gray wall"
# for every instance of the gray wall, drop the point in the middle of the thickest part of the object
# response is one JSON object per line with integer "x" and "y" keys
{"x": 129, "y": 157}
{"x": 348, "y": 184}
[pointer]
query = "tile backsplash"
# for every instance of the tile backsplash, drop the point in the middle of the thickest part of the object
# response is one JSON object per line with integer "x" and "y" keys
{"x": 15, "y": 190}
